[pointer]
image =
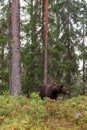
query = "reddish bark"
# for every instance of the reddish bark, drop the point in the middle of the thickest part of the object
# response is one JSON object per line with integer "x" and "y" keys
{"x": 46, "y": 41}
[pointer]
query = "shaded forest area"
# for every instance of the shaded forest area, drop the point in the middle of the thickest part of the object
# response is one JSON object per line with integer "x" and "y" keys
{"x": 67, "y": 44}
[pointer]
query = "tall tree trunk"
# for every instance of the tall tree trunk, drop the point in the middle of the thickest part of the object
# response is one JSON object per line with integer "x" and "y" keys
{"x": 83, "y": 67}
{"x": 15, "y": 47}
{"x": 46, "y": 41}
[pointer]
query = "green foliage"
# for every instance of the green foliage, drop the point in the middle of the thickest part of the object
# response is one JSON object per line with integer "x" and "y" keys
{"x": 3, "y": 48}
{"x": 21, "y": 113}
{"x": 66, "y": 19}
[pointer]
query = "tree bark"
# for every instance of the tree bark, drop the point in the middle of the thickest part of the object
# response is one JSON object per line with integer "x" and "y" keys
{"x": 15, "y": 47}
{"x": 83, "y": 43}
{"x": 45, "y": 41}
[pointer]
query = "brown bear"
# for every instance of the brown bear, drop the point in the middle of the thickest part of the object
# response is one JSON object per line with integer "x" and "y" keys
{"x": 52, "y": 90}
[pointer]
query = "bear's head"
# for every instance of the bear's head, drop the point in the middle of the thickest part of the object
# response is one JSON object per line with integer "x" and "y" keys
{"x": 59, "y": 89}
{"x": 63, "y": 89}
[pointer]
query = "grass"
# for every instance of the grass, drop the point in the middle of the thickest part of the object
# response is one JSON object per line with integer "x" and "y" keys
{"x": 21, "y": 113}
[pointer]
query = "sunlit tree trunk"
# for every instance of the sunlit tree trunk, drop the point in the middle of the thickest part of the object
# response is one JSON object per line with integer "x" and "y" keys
{"x": 15, "y": 47}
{"x": 45, "y": 41}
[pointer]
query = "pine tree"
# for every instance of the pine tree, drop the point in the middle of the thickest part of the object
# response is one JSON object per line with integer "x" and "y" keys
{"x": 15, "y": 49}
{"x": 45, "y": 41}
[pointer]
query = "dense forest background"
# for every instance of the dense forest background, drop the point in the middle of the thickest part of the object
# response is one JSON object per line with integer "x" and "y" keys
{"x": 67, "y": 44}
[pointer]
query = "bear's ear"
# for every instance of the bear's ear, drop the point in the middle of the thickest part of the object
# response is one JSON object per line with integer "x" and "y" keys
{"x": 62, "y": 86}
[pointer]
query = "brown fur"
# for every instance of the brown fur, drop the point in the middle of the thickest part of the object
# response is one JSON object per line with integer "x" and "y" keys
{"x": 52, "y": 90}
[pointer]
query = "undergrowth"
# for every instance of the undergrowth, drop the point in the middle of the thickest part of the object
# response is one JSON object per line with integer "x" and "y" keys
{"x": 21, "y": 113}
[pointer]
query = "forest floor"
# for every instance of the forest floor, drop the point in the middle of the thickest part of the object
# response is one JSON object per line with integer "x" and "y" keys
{"x": 21, "y": 113}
